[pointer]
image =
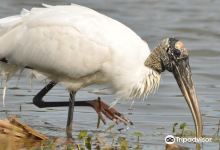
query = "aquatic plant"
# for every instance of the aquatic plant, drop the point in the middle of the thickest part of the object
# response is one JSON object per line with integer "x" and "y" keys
{"x": 123, "y": 143}
{"x": 174, "y": 127}
{"x": 182, "y": 130}
{"x": 87, "y": 140}
{"x": 183, "y": 126}
{"x": 83, "y": 141}
{"x": 138, "y": 134}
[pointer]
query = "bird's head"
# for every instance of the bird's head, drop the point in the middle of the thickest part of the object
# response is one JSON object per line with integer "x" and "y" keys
{"x": 171, "y": 55}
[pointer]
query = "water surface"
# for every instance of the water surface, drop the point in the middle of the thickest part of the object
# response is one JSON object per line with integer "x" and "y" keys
{"x": 195, "y": 22}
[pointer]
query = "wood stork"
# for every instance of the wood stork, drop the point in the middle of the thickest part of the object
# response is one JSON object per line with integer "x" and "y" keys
{"x": 77, "y": 46}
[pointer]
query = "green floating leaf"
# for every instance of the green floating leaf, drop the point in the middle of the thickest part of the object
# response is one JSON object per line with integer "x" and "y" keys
{"x": 183, "y": 125}
{"x": 88, "y": 143}
{"x": 138, "y": 134}
{"x": 82, "y": 134}
{"x": 123, "y": 143}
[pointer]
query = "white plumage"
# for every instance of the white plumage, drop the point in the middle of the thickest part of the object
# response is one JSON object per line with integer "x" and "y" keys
{"x": 78, "y": 46}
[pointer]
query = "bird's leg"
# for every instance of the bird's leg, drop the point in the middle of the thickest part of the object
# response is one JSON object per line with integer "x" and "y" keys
{"x": 38, "y": 99}
{"x": 104, "y": 109}
{"x": 98, "y": 105}
{"x": 69, "y": 126}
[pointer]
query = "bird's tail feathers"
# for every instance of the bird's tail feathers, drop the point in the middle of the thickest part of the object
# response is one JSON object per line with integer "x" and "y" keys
{"x": 6, "y": 72}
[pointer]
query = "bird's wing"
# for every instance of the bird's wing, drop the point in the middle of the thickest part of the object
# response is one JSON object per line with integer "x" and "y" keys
{"x": 53, "y": 40}
{"x": 72, "y": 40}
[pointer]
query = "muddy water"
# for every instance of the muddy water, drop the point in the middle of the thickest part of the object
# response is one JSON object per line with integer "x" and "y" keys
{"x": 195, "y": 22}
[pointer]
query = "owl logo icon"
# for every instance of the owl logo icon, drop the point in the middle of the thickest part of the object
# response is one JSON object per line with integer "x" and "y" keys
{"x": 169, "y": 139}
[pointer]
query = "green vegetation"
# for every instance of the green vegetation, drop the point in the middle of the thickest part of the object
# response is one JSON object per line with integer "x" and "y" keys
{"x": 97, "y": 141}
{"x": 182, "y": 130}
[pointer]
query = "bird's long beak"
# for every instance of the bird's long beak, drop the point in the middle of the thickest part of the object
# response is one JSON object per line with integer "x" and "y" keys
{"x": 182, "y": 74}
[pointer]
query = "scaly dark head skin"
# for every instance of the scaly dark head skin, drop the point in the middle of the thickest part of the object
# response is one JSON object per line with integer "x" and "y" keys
{"x": 171, "y": 55}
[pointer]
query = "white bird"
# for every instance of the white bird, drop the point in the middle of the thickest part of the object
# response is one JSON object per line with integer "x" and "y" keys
{"x": 77, "y": 46}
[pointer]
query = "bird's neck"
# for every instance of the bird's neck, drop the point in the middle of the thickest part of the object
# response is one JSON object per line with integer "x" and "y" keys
{"x": 154, "y": 60}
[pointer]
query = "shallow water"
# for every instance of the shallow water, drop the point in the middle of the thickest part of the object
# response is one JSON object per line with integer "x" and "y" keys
{"x": 195, "y": 22}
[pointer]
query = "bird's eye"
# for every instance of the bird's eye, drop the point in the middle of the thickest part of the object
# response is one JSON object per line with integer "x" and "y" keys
{"x": 177, "y": 52}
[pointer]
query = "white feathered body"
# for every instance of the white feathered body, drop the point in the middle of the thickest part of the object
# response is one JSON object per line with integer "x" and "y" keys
{"x": 78, "y": 46}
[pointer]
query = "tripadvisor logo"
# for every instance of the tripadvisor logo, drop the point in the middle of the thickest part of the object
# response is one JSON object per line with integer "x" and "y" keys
{"x": 170, "y": 139}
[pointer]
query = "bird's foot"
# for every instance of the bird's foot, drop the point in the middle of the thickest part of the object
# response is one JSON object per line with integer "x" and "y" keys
{"x": 111, "y": 113}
